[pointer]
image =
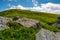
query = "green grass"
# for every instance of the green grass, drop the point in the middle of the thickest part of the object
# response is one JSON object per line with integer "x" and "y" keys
{"x": 24, "y": 33}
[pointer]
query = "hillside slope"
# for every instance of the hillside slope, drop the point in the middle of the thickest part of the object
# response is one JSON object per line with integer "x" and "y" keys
{"x": 44, "y": 18}
{"x": 28, "y": 33}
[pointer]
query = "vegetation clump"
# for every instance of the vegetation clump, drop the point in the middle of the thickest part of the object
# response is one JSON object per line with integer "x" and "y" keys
{"x": 13, "y": 25}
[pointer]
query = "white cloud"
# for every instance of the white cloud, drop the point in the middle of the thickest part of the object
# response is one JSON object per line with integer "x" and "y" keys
{"x": 48, "y": 7}
{"x": 18, "y": 7}
{"x": 35, "y": 2}
{"x": 9, "y": 5}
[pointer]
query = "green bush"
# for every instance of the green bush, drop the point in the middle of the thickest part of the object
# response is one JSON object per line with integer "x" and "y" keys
{"x": 13, "y": 25}
{"x": 23, "y": 34}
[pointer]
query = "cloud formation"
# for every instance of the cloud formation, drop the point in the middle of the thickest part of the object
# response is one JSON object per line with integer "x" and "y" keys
{"x": 35, "y": 2}
{"x": 48, "y": 7}
{"x": 18, "y": 7}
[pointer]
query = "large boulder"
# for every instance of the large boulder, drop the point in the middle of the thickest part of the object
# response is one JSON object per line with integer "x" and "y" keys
{"x": 29, "y": 22}
{"x": 44, "y": 34}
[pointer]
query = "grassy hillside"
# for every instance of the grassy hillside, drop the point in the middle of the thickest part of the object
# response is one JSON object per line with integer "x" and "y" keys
{"x": 24, "y": 33}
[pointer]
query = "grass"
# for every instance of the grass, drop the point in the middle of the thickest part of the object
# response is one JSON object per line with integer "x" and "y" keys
{"x": 24, "y": 33}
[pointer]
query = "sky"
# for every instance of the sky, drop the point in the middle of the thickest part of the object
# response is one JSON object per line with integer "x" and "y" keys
{"x": 50, "y": 6}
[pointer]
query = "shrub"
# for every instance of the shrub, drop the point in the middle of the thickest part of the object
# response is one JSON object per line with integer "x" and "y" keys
{"x": 13, "y": 25}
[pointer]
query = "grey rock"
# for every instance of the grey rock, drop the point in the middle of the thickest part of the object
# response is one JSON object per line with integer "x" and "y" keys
{"x": 3, "y": 22}
{"x": 44, "y": 34}
{"x": 23, "y": 21}
{"x": 57, "y": 23}
{"x": 28, "y": 22}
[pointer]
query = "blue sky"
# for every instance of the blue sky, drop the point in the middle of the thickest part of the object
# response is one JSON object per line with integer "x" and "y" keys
{"x": 6, "y": 4}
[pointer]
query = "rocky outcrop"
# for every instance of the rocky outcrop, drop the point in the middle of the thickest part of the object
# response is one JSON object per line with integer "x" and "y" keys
{"x": 3, "y": 22}
{"x": 28, "y": 22}
{"x": 44, "y": 34}
{"x": 23, "y": 21}
{"x": 57, "y": 23}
